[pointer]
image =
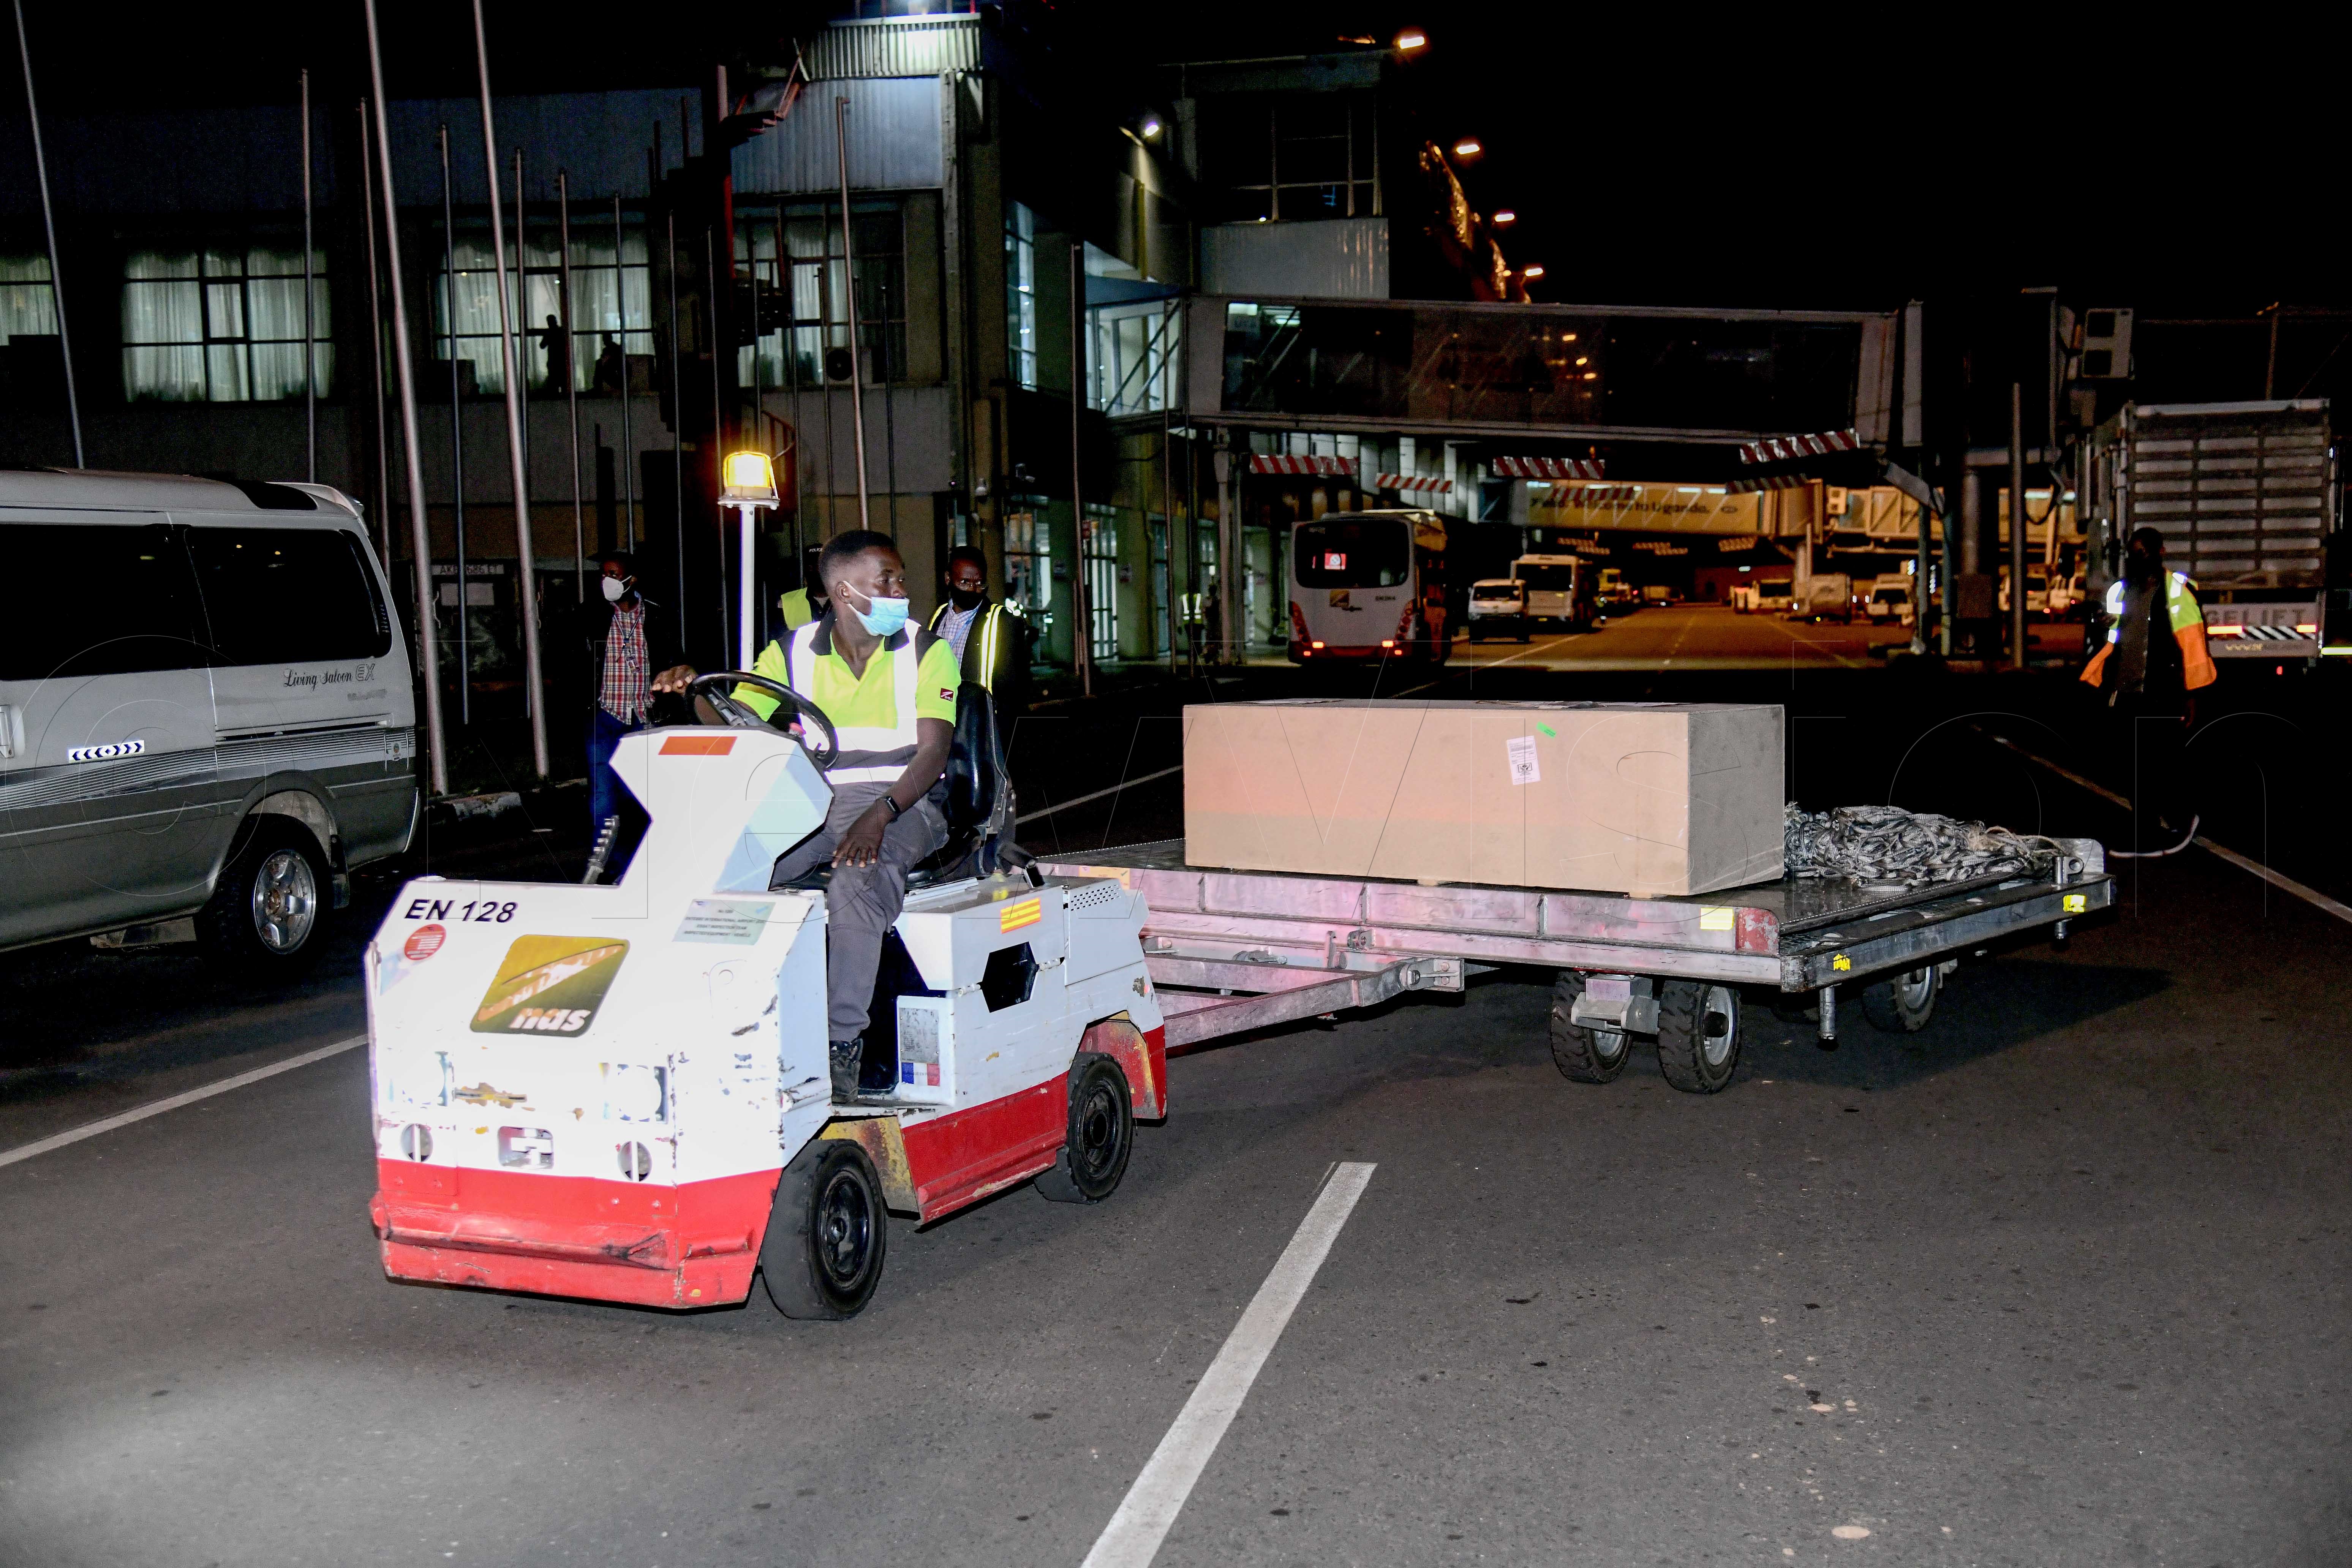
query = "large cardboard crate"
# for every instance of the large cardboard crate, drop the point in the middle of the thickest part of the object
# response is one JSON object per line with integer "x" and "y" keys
{"x": 1654, "y": 799}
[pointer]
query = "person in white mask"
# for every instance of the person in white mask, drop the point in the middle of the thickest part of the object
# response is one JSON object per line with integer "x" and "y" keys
{"x": 621, "y": 647}
{"x": 890, "y": 691}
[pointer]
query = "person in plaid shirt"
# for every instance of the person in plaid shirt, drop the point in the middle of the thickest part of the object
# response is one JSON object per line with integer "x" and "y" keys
{"x": 622, "y": 646}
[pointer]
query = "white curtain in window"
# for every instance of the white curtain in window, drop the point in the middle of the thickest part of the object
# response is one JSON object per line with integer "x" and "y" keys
{"x": 162, "y": 327}
{"x": 26, "y": 303}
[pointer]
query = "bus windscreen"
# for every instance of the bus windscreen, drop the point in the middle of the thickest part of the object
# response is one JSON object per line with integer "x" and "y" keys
{"x": 1352, "y": 553}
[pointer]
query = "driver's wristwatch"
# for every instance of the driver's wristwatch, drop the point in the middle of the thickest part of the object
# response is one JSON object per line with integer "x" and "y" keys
{"x": 897, "y": 811}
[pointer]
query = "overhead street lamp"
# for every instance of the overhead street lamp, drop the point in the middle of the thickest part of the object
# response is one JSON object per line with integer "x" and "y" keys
{"x": 1505, "y": 218}
{"x": 750, "y": 488}
{"x": 1467, "y": 147}
{"x": 1532, "y": 271}
{"x": 1412, "y": 39}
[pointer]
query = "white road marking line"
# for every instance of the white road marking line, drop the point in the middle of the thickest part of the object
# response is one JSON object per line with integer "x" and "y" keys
{"x": 1081, "y": 800}
{"x": 2311, "y": 896}
{"x": 1133, "y": 1536}
{"x": 59, "y": 1141}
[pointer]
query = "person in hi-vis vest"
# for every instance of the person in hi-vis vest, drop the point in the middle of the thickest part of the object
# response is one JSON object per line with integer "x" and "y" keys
{"x": 890, "y": 691}
{"x": 2150, "y": 667}
{"x": 990, "y": 637}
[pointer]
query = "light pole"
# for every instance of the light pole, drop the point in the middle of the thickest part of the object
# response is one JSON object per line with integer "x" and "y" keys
{"x": 750, "y": 488}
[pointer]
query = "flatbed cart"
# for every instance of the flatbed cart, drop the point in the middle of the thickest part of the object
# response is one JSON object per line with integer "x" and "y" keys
{"x": 1232, "y": 951}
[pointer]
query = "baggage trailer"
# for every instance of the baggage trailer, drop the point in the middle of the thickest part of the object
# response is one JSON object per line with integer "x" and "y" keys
{"x": 1233, "y": 950}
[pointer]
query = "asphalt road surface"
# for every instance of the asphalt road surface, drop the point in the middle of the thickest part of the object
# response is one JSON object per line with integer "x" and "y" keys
{"x": 2059, "y": 1280}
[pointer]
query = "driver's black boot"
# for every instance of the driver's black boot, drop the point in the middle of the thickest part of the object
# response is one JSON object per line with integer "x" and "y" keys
{"x": 847, "y": 1056}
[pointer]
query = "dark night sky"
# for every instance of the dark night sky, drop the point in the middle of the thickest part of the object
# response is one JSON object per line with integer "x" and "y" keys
{"x": 1658, "y": 155}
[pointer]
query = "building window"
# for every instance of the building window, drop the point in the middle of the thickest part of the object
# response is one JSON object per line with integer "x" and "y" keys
{"x": 1306, "y": 157}
{"x": 222, "y": 325}
{"x": 794, "y": 256}
{"x": 1021, "y": 293}
{"x": 612, "y": 304}
{"x": 27, "y": 305}
{"x": 610, "y": 308}
{"x": 1102, "y": 581}
{"x": 1028, "y": 563}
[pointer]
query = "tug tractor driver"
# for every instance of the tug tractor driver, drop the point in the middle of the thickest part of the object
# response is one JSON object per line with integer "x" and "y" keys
{"x": 890, "y": 691}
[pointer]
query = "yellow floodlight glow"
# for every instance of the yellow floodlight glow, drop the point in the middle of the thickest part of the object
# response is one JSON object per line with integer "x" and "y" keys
{"x": 1531, "y": 272}
{"x": 1467, "y": 147}
{"x": 749, "y": 478}
{"x": 1411, "y": 38}
{"x": 1505, "y": 218}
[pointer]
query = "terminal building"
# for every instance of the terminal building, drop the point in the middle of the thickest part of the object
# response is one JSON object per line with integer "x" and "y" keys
{"x": 1122, "y": 342}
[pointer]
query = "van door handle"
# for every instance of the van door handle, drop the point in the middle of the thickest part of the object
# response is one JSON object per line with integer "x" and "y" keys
{"x": 12, "y": 729}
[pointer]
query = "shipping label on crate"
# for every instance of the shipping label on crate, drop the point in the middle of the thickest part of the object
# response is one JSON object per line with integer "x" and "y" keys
{"x": 1521, "y": 750}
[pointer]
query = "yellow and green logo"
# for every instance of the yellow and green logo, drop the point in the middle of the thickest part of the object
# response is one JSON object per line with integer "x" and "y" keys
{"x": 550, "y": 986}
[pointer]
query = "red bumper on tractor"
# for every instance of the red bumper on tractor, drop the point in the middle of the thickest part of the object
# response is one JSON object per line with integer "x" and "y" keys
{"x": 690, "y": 1245}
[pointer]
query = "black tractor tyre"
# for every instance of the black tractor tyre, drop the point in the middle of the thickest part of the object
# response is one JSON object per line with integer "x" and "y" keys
{"x": 268, "y": 913}
{"x": 1583, "y": 1054}
{"x": 828, "y": 1233}
{"x": 1902, "y": 1003}
{"x": 1698, "y": 1036}
{"x": 1101, "y": 1135}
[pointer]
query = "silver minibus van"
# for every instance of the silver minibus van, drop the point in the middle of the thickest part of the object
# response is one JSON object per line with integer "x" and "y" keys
{"x": 205, "y": 714}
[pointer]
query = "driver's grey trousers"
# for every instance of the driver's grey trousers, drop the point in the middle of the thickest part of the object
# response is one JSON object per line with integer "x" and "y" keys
{"x": 861, "y": 901}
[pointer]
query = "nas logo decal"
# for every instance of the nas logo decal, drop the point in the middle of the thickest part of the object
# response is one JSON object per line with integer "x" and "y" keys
{"x": 550, "y": 986}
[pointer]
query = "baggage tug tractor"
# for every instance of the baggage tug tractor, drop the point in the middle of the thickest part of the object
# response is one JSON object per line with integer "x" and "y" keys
{"x": 621, "y": 1092}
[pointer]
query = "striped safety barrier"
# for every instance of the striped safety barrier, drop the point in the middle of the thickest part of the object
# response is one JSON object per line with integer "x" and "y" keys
{"x": 1781, "y": 448}
{"x": 1550, "y": 467}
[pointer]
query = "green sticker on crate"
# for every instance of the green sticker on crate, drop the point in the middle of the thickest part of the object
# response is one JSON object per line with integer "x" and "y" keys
{"x": 1546, "y": 730}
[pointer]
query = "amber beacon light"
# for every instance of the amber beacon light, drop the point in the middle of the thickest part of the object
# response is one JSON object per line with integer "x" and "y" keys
{"x": 750, "y": 487}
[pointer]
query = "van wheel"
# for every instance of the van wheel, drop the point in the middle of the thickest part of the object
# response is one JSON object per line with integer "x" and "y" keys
{"x": 827, "y": 1233}
{"x": 266, "y": 912}
{"x": 1101, "y": 1133}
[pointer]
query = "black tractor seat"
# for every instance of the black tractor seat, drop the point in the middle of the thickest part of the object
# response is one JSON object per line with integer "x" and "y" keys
{"x": 973, "y": 794}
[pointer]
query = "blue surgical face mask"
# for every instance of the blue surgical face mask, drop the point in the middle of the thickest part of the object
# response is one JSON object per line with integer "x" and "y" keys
{"x": 885, "y": 617}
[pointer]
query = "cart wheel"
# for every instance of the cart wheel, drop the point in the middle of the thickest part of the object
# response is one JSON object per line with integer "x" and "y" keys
{"x": 1102, "y": 1131}
{"x": 826, "y": 1234}
{"x": 1698, "y": 1036}
{"x": 1902, "y": 1003}
{"x": 1581, "y": 1054}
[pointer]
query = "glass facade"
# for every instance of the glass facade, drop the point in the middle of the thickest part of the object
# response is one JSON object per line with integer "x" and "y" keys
{"x": 222, "y": 324}
{"x": 1531, "y": 367}
{"x": 1305, "y": 156}
{"x": 610, "y": 306}
{"x": 792, "y": 256}
{"x": 1021, "y": 294}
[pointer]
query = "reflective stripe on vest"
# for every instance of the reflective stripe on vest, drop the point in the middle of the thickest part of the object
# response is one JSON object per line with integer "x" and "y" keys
{"x": 870, "y": 753}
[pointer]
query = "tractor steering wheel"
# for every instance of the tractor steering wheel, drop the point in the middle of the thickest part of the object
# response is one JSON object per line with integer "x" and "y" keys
{"x": 718, "y": 689}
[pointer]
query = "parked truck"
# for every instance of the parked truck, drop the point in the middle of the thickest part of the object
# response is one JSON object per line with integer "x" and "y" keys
{"x": 2247, "y": 495}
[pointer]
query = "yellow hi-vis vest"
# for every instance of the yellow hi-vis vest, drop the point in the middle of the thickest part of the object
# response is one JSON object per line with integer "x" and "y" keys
{"x": 2187, "y": 623}
{"x": 870, "y": 754}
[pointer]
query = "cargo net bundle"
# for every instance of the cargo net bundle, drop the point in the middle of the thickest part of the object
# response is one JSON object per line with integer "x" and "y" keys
{"x": 1887, "y": 845}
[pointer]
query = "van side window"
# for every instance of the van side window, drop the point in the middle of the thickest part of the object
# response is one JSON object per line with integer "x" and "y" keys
{"x": 288, "y": 595}
{"x": 97, "y": 599}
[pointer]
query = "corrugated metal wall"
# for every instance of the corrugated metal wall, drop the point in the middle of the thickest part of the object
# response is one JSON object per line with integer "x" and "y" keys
{"x": 894, "y": 141}
{"x": 898, "y": 46}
